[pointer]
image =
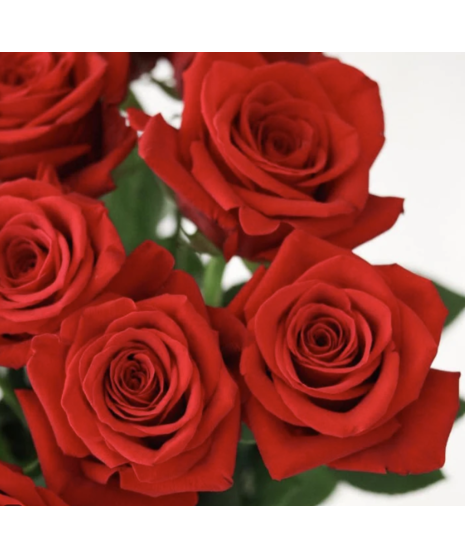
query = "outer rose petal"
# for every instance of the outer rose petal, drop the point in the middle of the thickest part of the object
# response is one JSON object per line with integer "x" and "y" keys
{"x": 158, "y": 148}
{"x": 419, "y": 294}
{"x": 289, "y": 451}
{"x": 378, "y": 216}
{"x": 298, "y": 253}
{"x": 419, "y": 445}
{"x": 95, "y": 179}
{"x": 147, "y": 255}
{"x": 20, "y": 490}
{"x": 357, "y": 100}
{"x": 14, "y": 354}
{"x": 64, "y": 476}
{"x": 213, "y": 473}
{"x": 46, "y": 375}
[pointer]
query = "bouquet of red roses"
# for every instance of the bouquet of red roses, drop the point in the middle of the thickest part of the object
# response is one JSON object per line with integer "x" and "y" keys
{"x": 129, "y": 374}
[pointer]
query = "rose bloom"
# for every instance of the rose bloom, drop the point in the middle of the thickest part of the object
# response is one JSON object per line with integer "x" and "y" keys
{"x": 338, "y": 371}
{"x": 63, "y": 473}
{"x": 18, "y": 490}
{"x": 57, "y": 252}
{"x": 62, "y": 109}
{"x": 135, "y": 387}
{"x": 265, "y": 148}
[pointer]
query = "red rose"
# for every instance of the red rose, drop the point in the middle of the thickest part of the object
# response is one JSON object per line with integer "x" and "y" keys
{"x": 62, "y": 109}
{"x": 267, "y": 148}
{"x": 64, "y": 476}
{"x": 57, "y": 252}
{"x": 338, "y": 372}
{"x": 135, "y": 387}
{"x": 18, "y": 490}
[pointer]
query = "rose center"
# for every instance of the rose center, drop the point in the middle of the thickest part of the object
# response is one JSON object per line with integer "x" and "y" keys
{"x": 22, "y": 258}
{"x": 134, "y": 383}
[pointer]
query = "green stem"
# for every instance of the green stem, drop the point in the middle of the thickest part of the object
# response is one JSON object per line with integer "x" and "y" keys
{"x": 212, "y": 289}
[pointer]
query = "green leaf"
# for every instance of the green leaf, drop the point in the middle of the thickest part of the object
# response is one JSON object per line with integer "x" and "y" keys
{"x": 454, "y": 302}
{"x": 307, "y": 489}
{"x": 188, "y": 260}
{"x": 229, "y": 497}
{"x": 16, "y": 444}
{"x": 212, "y": 290}
{"x": 389, "y": 483}
{"x": 137, "y": 204}
{"x": 251, "y": 266}
{"x": 5, "y": 451}
{"x": 461, "y": 411}
{"x": 200, "y": 243}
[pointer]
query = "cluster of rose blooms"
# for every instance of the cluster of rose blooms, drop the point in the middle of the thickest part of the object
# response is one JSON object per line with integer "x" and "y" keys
{"x": 138, "y": 388}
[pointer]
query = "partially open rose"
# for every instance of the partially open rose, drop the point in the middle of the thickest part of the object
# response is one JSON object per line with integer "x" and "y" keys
{"x": 61, "y": 109}
{"x": 339, "y": 369}
{"x": 265, "y": 148}
{"x": 135, "y": 387}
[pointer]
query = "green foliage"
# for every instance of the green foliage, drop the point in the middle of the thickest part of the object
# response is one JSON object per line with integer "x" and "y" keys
{"x": 253, "y": 485}
{"x": 461, "y": 411}
{"x": 389, "y": 483}
{"x": 137, "y": 204}
{"x": 454, "y": 302}
{"x": 307, "y": 489}
{"x": 212, "y": 290}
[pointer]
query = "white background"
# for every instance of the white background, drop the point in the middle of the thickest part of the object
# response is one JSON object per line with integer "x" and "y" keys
{"x": 422, "y": 161}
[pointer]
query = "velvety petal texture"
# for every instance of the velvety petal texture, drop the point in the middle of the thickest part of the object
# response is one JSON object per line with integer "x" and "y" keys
{"x": 58, "y": 251}
{"x": 273, "y": 143}
{"x": 135, "y": 387}
{"x": 337, "y": 370}
{"x": 18, "y": 490}
{"x": 61, "y": 109}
